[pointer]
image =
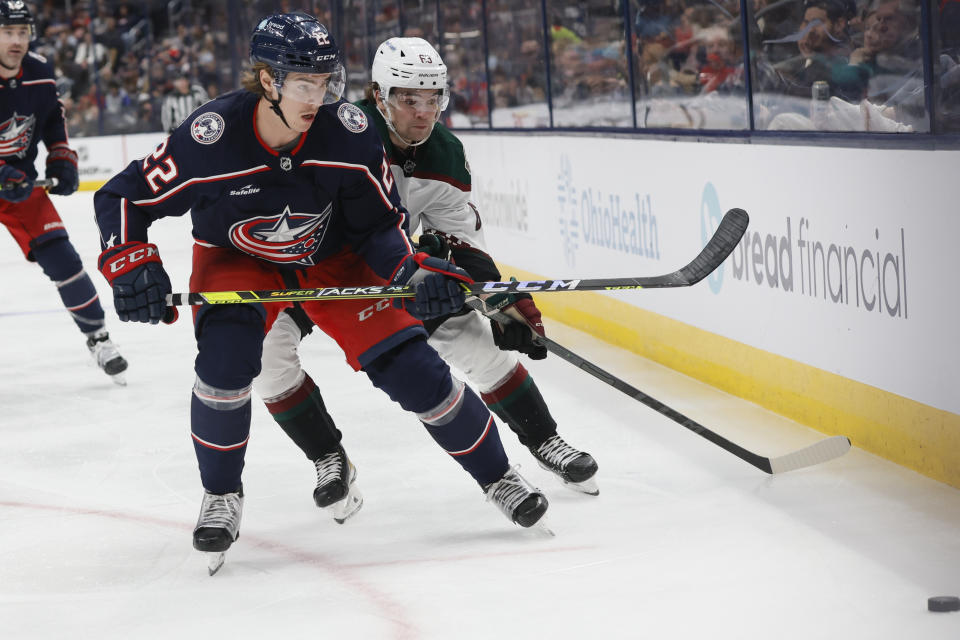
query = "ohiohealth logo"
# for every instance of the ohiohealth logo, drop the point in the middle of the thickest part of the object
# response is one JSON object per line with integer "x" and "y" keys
{"x": 567, "y": 213}
{"x": 710, "y": 216}
{"x": 612, "y": 217}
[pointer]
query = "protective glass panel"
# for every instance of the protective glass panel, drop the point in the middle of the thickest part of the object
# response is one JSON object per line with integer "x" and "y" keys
{"x": 947, "y": 66}
{"x": 419, "y": 20}
{"x": 834, "y": 65}
{"x": 518, "y": 78}
{"x": 385, "y": 24}
{"x": 688, "y": 65}
{"x": 589, "y": 79}
{"x": 462, "y": 52}
{"x": 354, "y": 46}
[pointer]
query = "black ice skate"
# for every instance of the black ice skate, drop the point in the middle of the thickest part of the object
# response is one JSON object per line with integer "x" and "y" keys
{"x": 107, "y": 357}
{"x": 336, "y": 488}
{"x": 218, "y": 526}
{"x": 517, "y": 499}
{"x": 574, "y": 467}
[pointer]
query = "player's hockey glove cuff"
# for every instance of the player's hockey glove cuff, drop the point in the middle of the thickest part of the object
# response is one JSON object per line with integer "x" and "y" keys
{"x": 140, "y": 283}
{"x": 62, "y": 165}
{"x": 15, "y": 186}
{"x": 437, "y": 286}
{"x": 519, "y": 335}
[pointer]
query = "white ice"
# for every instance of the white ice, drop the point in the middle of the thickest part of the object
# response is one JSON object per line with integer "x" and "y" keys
{"x": 99, "y": 491}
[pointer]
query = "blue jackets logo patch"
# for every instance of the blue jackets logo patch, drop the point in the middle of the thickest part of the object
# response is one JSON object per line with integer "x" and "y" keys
{"x": 15, "y": 135}
{"x": 207, "y": 128}
{"x": 287, "y": 238}
{"x": 352, "y": 117}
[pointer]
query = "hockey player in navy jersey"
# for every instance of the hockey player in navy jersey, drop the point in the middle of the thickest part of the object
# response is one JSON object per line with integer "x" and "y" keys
{"x": 289, "y": 187}
{"x": 404, "y": 101}
{"x": 30, "y": 111}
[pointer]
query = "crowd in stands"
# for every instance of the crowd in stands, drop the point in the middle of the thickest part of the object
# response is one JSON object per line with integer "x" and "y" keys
{"x": 867, "y": 52}
{"x": 137, "y": 66}
{"x": 116, "y": 62}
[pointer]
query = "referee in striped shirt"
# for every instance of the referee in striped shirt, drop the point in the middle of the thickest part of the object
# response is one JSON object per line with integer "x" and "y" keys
{"x": 180, "y": 102}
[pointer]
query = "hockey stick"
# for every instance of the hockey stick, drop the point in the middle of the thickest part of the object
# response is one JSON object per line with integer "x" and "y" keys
{"x": 724, "y": 240}
{"x": 822, "y": 451}
{"x": 42, "y": 184}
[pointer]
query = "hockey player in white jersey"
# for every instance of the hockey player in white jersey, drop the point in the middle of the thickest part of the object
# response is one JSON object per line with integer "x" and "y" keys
{"x": 404, "y": 101}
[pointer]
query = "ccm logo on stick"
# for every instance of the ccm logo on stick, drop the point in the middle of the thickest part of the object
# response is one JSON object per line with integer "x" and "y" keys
{"x": 530, "y": 285}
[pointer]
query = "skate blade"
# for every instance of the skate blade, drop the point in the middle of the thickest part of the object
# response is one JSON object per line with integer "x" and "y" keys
{"x": 119, "y": 379}
{"x": 348, "y": 507}
{"x": 542, "y": 527}
{"x": 588, "y": 486}
{"x": 215, "y": 561}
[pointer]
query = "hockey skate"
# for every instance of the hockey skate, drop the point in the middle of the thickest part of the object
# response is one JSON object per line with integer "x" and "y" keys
{"x": 218, "y": 526}
{"x": 107, "y": 357}
{"x": 517, "y": 499}
{"x": 336, "y": 488}
{"x": 575, "y": 468}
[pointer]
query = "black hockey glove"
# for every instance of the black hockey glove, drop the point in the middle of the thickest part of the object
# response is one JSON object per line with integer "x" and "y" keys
{"x": 438, "y": 291}
{"x": 520, "y": 334}
{"x": 434, "y": 246}
{"x": 15, "y": 186}
{"x": 62, "y": 165}
{"x": 140, "y": 283}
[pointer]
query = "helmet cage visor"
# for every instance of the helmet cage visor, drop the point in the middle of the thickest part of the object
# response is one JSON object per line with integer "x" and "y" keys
{"x": 312, "y": 87}
{"x": 413, "y": 101}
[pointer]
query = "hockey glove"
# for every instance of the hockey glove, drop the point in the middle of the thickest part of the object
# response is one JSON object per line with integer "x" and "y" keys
{"x": 62, "y": 165}
{"x": 519, "y": 335}
{"x": 434, "y": 246}
{"x": 140, "y": 284}
{"x": 15, "y": 186}
{"x": 436, "y": 282}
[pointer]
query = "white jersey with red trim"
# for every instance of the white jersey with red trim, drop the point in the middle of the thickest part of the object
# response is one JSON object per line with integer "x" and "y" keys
{"x": 30, "y": 111}
{"x": 331, "y": 190}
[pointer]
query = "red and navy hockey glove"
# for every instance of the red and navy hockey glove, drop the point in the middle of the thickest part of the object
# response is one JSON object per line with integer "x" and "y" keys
{"x": 15, "y": 186}
{"x": 62, "y": 165}
{"x": 437, "y": 286}
{"x": 140, "y": 283}
{"x": 519, "y": 335}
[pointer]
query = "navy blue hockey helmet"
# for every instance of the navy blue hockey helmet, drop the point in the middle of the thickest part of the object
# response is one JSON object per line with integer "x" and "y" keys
{"x": 298, "y": 43}
{"x": 14, "y": 12}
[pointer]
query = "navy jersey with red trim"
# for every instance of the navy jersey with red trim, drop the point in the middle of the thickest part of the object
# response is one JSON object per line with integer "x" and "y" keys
{"x": 293, "y": 208}
{"x": 30, "y": 111}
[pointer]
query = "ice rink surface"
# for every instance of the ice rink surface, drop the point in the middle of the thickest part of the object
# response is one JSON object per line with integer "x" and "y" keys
{"x": 99, "y": 491}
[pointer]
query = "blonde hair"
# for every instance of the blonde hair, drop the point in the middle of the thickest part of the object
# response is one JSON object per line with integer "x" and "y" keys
{"x": 251, "y": 78}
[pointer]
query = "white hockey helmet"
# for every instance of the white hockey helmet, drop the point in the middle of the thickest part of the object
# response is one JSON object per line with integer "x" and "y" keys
{"x": 409, "y": 63}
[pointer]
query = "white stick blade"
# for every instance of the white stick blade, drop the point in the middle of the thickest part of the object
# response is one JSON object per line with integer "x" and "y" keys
{"x": 826, "y": 449}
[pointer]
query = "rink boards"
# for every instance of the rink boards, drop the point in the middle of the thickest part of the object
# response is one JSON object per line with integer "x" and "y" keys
{"x": 836, "y": 309}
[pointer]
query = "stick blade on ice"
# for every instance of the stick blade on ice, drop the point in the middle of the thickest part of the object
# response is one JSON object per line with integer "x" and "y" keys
{"x": 817, "y": 453}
